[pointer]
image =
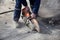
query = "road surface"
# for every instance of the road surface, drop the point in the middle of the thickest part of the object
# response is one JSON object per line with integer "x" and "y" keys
{"x": 9, "y": 32}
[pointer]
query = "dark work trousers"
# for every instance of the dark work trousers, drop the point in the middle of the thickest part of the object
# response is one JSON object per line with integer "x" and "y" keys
{"x": 35, "y": 4}
{"x": 18, "y": 6}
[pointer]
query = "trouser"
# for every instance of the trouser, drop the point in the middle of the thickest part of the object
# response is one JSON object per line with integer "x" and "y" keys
{"x": 18, "y": 6}
{"x": 35, "y": 4}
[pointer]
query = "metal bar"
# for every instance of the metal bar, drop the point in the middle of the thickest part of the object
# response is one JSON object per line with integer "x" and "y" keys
{"x": 6, "y": 12}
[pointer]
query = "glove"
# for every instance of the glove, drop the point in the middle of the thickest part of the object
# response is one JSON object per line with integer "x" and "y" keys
{"x": 33, "y": 15}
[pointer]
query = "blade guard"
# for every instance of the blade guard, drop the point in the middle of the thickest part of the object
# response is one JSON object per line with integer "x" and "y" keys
{"x": 26, "y": 12}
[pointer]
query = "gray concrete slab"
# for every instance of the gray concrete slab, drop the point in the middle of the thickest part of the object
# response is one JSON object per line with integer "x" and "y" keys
{"x": 9, "y": 32}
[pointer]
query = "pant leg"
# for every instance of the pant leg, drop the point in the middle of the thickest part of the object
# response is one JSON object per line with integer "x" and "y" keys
{"x": 17, "y": 11}
{"x": 24, "y": 2}
{"x": 31, "y": 3}
{"x": 36, "y": 6}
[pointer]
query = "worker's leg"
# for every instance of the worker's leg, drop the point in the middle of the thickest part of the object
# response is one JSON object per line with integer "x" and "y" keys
{"x": 36, "y": 6}
{"x": 24, "y": 2}
{"x": 17, "y": 11}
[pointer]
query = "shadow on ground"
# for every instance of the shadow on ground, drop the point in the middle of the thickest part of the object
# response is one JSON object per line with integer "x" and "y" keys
{"x": 46, "y": 28}
{"x": 20, "y": 25}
